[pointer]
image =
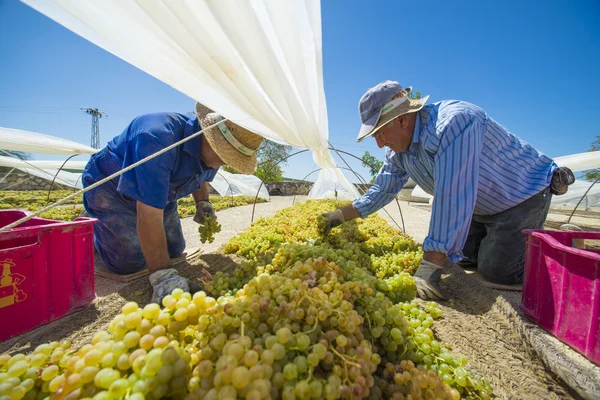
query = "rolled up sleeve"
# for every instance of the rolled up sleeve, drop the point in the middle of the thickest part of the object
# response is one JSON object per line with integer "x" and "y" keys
{"x": 455, "y": 191}
{"x": 388, "y": 183}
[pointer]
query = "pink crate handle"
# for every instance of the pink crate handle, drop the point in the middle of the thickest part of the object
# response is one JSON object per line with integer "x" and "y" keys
{"x": 547, "y": 237}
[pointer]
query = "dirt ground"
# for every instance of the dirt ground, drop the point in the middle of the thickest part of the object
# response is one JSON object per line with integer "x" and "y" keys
{"x": 483, "y": 324}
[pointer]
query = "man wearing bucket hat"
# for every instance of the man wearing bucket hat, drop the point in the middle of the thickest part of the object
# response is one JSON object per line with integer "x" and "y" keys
{"x": 138, "y": 224}
{"x": 488, "y": 185}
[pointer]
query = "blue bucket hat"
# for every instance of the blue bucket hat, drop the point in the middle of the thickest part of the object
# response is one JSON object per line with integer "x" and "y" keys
{"x": 381, "y": 104}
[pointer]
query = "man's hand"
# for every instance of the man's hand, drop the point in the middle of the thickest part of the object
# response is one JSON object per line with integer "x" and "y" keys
{"x": 427, "y": 279}
{"x": 164, "y": 282}
{"x": 204, "y": 209}
{"x": 335, "y": 218}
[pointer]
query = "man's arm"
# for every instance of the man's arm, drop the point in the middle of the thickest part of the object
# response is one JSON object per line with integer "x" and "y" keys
{"x": 456, "y": 180}
{"x": 202, "y": 193}
{"x": 388, "y": 182}
{"x": 153, "y": 239}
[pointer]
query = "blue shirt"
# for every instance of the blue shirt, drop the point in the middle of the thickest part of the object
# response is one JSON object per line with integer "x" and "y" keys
{"x": 469, "y": 163}
{"x": 162, "y": 180}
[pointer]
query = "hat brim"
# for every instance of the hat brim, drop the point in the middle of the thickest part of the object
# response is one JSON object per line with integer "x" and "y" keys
{"x": 410, "y": 106}
{"x": 368, "y": 126}
{"x": 240, "y": 162}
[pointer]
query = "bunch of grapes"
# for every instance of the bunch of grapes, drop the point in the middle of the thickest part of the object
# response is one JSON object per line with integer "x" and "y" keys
{"x": 208, "y": 228}
{"x": 138, "y": 358}
{"x": 425, "y": 350}
{"x": 405, "y": 379}
{"x": 220, "y": 285}
{"x": 393, "y": 263}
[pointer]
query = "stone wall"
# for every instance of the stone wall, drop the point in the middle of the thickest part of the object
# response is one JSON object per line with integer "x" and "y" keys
{"x": 299, "y": 188}
{"x": 18, "y": 180}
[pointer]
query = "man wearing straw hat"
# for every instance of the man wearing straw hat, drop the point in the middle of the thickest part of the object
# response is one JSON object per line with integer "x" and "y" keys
{"x": 488, "y": 185}
{"x": 138, "y": 225}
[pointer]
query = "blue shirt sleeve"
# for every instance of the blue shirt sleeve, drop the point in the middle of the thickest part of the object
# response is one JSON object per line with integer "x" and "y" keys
{"x": 388, "y": 183}
{"x": 456, "y": 178}
{"x": 148, "y": 182}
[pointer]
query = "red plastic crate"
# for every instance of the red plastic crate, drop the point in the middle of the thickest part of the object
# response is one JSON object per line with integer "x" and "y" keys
{"x": 561, "y": 288}
{"x": 47, "y": 270}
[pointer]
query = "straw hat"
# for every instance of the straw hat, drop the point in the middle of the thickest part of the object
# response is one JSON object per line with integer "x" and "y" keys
{"x": 382, "y": 104}
{"x": 235, "y": 145}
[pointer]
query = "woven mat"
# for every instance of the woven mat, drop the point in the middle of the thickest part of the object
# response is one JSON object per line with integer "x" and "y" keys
{"x": 100, "y": 268}
{"x": 484, "y": 282}
{"x": 519, "y": 360}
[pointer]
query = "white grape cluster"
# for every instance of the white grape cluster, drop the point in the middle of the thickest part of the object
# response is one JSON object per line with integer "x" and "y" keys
{"x": 208, "y": 228}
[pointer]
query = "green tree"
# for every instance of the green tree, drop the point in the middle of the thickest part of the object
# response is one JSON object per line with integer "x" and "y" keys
{"x": 269, "y": 154}
{"x": 372, "y": 163}
{"x": 414, "y": 95}
{"x": 593, "y": 174}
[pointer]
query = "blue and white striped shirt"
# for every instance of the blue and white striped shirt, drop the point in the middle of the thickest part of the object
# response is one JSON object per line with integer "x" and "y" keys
{"x": 469, "y": 163}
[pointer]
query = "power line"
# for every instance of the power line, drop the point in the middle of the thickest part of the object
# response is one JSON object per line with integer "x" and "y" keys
{"x": 96, "y": 115}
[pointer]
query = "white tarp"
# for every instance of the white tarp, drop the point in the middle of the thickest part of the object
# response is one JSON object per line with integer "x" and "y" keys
{"x": 580, "y": 162}
{"x": 16, "y": 139}
{"x": 238, "y": 185}
{"x": 259, "y": 62}
{"x": 12, "y": 162}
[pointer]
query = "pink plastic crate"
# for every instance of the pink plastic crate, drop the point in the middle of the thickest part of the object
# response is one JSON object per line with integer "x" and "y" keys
{"x": 46, "y": 270}
{"x": 561, "y": 288}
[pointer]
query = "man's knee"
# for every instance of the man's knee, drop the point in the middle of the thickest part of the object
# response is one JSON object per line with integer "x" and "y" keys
{"x": 502, "y": 271}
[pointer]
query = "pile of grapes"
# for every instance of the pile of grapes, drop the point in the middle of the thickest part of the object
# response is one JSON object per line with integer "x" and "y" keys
{"x": 304, "y": 326}
{"x": 369, "y": 250}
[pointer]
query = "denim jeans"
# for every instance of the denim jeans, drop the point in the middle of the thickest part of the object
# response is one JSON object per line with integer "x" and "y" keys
{"x": 115, "y": 233}
{"x": 496, "y": 243}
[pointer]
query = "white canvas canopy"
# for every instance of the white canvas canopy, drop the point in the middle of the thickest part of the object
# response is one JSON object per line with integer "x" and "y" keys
{"x": 16, "y": 139}
{"x": 258, "y": 63}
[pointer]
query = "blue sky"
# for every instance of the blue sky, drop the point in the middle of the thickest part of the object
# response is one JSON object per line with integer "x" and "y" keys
{"x": 532, "y": 65}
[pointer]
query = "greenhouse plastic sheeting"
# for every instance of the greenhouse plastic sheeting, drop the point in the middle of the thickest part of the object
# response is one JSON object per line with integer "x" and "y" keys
{"x": 12, "y": 162}
{"x": 64, "y": 178}
{"x": 420, "y": 196}
{"x": 259, "y": 63}
{"x": 330, "y": 186}
{"x": 575, "y": 193}
{"x": 16, "y": 139}
{"x": 239, "y": 185}
{"x": 580, "y": 162}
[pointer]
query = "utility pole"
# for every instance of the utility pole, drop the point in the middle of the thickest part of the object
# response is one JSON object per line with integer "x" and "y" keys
{"x": 96, "y": 115}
